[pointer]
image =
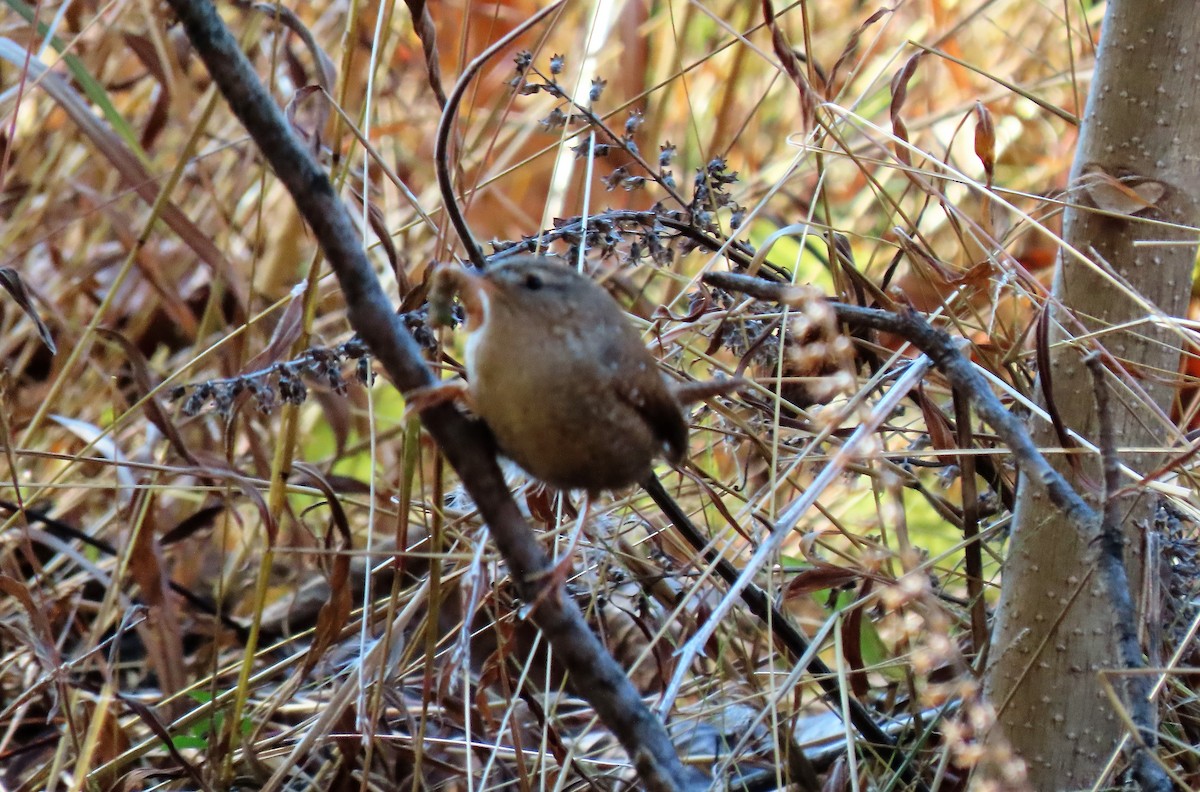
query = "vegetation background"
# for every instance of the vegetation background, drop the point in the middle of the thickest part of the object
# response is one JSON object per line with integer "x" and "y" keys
{"x": 187, "y": 571}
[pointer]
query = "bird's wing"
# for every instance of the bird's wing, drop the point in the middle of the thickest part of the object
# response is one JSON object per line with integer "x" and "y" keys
{"x": 661, "y": 412}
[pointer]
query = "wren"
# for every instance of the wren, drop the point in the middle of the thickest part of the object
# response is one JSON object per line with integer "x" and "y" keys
{"x": 560, "y": 375}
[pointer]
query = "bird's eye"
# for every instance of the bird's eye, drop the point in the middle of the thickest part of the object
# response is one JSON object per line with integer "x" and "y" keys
{"x": 533, "y": 282}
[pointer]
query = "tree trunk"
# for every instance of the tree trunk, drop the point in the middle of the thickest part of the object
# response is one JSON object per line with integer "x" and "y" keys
{"x": 1054, "y": 627}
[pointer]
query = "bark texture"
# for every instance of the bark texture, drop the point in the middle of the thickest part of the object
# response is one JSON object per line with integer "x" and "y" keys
{"x": 1054, "y": 629}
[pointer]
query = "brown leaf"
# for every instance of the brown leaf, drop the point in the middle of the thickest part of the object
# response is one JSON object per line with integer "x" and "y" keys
{"x": 899, "y": 96}
{"x": 838, "y": 778}
{"x": 1126, "y": 196}
{"x": 426, "y": 31}
{"x": 821, "y": 577}
{"x": 791, "y": 64}
{"x": 145, "y": 51}
{"x": 337, "y": 411}
{"x": 900, "y": 83}
{"x": 155, "y": 724}
{"x": 985, "y": 141}
{"x": 852, "y": 649}
{"x": 900, "y": 130}
{"x": 940, "y": 435}
{"x": 40, "y": 636}
{"x": 379, "y": 225}
{"x": 161, "y": 632}
{"x": 10, "y": 279}
{"x": 320, "y": 112}
{"x": 852, "y": 45}
{"x": 541, "y": 505}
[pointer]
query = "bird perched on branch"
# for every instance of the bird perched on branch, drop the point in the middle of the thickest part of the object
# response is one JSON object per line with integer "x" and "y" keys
{"x": 560, "y": 376}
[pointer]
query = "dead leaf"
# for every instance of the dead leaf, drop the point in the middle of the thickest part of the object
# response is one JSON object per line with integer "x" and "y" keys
{"x": 1127, "y": 196}
{"x": 820, "y": 577}
{"x": 899, "y": 95}
{"x": 985, "y": 141}
{"x": 940, "y": 435}
{"x": 10, "y": 279}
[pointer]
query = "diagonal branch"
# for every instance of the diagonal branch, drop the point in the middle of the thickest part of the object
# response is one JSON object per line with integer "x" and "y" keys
{"x": 466, "y": 445}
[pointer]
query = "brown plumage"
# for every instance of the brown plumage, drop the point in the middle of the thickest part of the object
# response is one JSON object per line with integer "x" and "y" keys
{"x": 562, "y": 378}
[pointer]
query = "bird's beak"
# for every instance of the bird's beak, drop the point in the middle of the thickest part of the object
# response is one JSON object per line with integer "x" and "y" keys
{"x": 474, "y": 291}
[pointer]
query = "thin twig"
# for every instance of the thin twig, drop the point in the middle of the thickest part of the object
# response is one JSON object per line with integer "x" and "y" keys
{"x": 972, "y": 551}
{"x": 596, "y": 122}
{"x": 759, "y": 604}
{"x": 441, "y": 154}
{"x": 909, "y": 379}
{"x": 1138, "y": 687}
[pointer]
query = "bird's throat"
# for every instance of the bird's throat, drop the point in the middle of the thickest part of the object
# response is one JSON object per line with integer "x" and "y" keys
{"x": 477, "y": 317}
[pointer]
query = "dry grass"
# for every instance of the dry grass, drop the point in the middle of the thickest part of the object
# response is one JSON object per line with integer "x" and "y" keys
{"x": 159, "y": 251}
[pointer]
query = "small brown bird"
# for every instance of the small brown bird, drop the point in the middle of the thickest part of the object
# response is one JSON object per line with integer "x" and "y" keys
{"x": 561, "y": 377}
